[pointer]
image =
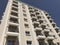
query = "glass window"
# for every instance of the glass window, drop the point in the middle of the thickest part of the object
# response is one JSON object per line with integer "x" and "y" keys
{"x": 25, "y": 19}
{"x": 29, "y": 42}
{"x": 12, "y": 40}
{"x": 25, "y": 15}
{"x": 14, "y": 14}
{"x": 27, "y": 33}
{"x": 26, "y": 25}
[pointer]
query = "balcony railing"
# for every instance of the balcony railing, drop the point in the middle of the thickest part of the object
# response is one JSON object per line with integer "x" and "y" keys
{"x": 41, "y": 37}
{"x": 50, "y": 38}
{"x": 38, "y": 29}
{"x": 46, "y": 30}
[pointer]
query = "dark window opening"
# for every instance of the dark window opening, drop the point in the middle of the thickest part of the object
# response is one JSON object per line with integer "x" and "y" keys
{"x": 27, "y": 33}
{"x": 15, "y": 2}
{"x": 14, "y": 14}
{"x": 26, "y": 25}
{"x": 36, "y": 25}
{"x": 10, "y": 40}
{"x": 14, "y": 20}
{"x": 29, "y": 42}
{"x": 15, "y": 5}
{"x": 13, "y": 28}
{"x": 15, "y": 9}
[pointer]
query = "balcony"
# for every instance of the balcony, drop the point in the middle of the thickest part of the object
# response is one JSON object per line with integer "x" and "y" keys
{"x": 0, "y": 21}
{"x": 51, "y": 19}
{"x": 14, "y": 13}
{"x": 48, "y": 17}
{"x": 12, "y": 40}
{"x": 11, "y": 23}
{"x": 14, "y": 20}
{"x": 41, "y": 37}
{"x": 45, "y": 12}
{"x": 50, "y": 38}
{"x": 33, "y": 17}
{"x": 46, "y": 30}
{"x": 15, "y": 5}
{"x": 53, "y": 23}
{"x": 43, "y": 24}
{"x": 38, "y": 29}
{"x": 58, "y": 33}
{"x": 57, "y": 29}
{"x": 35, "y": 22}
{"x": 13, "y": 16}
{"x": 13, "y": 28}
{"x": 15, "y": 2}
{"x": 39, "y": 15}
{"x": 12, "y": 34}
{"x": 42, "y": 19}
{"x": 31, "y": 9}
{"x": 15, "y": 9}
{"x": 32, "y": 12}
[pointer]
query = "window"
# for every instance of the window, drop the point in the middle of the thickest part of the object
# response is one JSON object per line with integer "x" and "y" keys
{"x": 25, "y": 15}
{"x": 32, "y": 15}
{"x": 38, "y": 32}
{"x": 23, "y": 6}
{"x": 41, "y": 43}
{"x": 14, "y": 20}
{"x": 57, "y": 30}
{"x": 24, "y": 11}
{"x": 26, "y": 25}
{"x": 43, "y": 27}
{"x": 29, "y": 42}
{"x": 50, "y": 21}
{"x": 0, "y": 21}
{"x": 58, "y": 43}
{"x": 39, "y": 17}
{"x": 15, "y": 9}
{"x": 27, "y": 33}
{"x": 12, "y": 40}
{"x": 14, "y": 13}
{"x": 50, "y": 43}
{"x": 53, "y": 25}
{"x": 25, "y": 19}
{"x": 59, "y": 35}
{"x": 15, "y": 2}
{"x": 13, "y": 28}
{"x": 36, "y": 25}
{"x": 33, "y": 19}
{"x": 37, "y": 13}
{"x": 15, "y": 5}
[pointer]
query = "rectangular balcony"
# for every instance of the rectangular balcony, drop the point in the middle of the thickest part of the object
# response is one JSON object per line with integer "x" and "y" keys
{"x": 12, "y": 34}
{"x": 46, "y": 30}
{"x": 13, "y": 28}
{"x": 12, "y": 40}
{"x": 41, "y": 37}
{"x": 35, "y": 22}
{"x": 50, "y": 38}
{"x": 11, "y": 23}
{"x": 13, "y": 20}
{"x": 38, "y": 29}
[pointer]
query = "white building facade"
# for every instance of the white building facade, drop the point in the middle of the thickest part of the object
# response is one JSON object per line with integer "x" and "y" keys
{"x": 23, "y": 24}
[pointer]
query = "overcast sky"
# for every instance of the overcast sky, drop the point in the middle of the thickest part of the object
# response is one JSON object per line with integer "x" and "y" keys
{"x": 51, "y": 6}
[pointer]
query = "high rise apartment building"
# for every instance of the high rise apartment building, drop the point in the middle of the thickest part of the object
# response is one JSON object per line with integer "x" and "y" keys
{"x": 23, "y": 24}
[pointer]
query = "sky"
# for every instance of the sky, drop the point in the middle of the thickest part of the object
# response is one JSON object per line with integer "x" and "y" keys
{"x": 51, "y": 6}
